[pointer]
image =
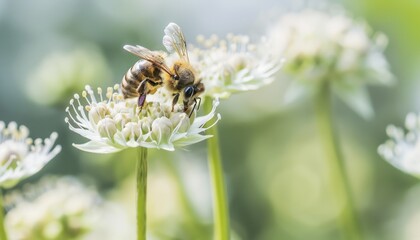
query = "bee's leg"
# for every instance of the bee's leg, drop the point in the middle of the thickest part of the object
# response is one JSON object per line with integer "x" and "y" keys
{"x": 141, "y": 100}
{"x": 142, "y": 90}
{"x": 142, "y": 93}
{"x": 175, "y": 100}
{"x": 195, "y": 104}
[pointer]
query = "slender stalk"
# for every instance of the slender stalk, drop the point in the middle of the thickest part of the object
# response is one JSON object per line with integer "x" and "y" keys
{"x": 349, "y": 224}
{"x": 220, "y": 207}
{"x": 141, "y": 193}
{"x": 3, "y": 235}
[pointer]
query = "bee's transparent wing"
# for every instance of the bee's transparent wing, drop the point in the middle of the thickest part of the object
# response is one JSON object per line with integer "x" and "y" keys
{"x": 148, "y": 55}
{"x": 174, "y": 41}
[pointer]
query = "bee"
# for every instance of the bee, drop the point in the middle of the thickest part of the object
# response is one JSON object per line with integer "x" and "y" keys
{"x": 151, "y": 72}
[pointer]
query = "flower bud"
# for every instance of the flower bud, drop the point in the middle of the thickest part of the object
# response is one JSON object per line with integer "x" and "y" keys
{"x": 121, "y": 120}
{"x": 145, "y": 124}
{"x": 107, "y": 128}
{"x": 131, "y": 131}
{"x": 98, "y": 112}
{"x": 161, "y": 129}
{"x": 182, "y": 120}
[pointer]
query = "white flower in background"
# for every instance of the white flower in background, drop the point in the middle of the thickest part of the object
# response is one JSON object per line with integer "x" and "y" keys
{"x": 112, "y": 123}
{"x": 56, "y": 209}
{"x": 319, "y": 47}
{"x": 402, "y": 150}
{"x": 232, "y": 65}
{"x": 62, "y": 73}
{"x": 112, "y": 222}
{"x": 20, "y": 156}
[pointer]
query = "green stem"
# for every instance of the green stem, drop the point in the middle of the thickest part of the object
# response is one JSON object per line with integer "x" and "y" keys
{"x": 338, "y": 176}
{"x": 141, "y": 193}
{"x": 2, "y": 229}
{"x": 220, "y": 207}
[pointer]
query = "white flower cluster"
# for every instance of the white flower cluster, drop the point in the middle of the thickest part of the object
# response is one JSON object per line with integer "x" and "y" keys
{"x": 402, "y": 150}
{"x": 20, "y": 156}
{"x": 113, "y": 123}
{"x": 319, "y": 47}
{"x": 232, "y": 65}
{"x": 55, "y": 209}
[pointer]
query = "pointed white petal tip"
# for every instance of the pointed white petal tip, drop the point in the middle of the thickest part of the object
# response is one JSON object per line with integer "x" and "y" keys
{"x": 129, "y": 48}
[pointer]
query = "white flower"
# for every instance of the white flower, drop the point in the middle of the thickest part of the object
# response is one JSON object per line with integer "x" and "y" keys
{"x": 55, "y": 209}
{"x": 232, "y": 65}
{"x": 402, "y": 150}
{"x": 61, "y": 73}
{"x": 112, "y": 123}
{"x": 20, "y": 157}
{"x": 319, "y": 47}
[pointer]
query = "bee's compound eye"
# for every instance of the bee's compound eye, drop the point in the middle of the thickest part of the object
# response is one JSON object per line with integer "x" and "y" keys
{"x": 188, "y": 92}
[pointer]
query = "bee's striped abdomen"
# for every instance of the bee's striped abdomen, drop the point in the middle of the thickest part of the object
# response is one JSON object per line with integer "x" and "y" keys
{"x": 139, "y": 72}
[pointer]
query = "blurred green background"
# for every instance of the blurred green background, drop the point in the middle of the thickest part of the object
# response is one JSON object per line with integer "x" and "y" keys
{"x": 273, "y": 160}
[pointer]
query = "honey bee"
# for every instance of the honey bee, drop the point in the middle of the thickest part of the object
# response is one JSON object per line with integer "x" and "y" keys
{"x": 150, "y": 73}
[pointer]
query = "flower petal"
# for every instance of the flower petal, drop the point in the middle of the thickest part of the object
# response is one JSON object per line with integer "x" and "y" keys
{"x": 191, "y": 140}
{"x": 97, "y": 147}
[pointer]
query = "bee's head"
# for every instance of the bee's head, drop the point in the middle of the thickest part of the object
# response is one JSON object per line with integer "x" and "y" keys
{"x": 191, "y": 92}
{"x": 184, "y": 74}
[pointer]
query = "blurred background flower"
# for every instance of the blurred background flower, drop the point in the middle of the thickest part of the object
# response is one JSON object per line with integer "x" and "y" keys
{"x": 322, "y": 46}
{"x": 61, "y": 74}
{"x": 20, "y": 156}
{"x": 402, "y": 150}
{"x": 62, "y": 208}
{"x": 261, "y": 197}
